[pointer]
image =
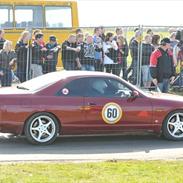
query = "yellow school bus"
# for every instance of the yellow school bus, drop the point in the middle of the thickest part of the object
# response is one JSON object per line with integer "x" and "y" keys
{"x": 53, "y": 17}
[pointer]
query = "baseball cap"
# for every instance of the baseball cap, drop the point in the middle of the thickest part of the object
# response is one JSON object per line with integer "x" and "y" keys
{"x": 165, "y": 41}
{"x": 52, "y": 38}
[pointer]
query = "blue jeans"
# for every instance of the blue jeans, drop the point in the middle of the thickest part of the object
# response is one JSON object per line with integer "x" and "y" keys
{"x": 6, "y": 79}
{"x": 86, "y": 67}
{"x": 164, "y": 86}
{"x": 69, "y": 66}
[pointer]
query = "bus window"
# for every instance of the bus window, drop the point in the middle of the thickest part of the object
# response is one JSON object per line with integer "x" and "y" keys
{"x": 6, "y": 17}
{"x": 58, "y": 17}
{"x": 29, "y": 16}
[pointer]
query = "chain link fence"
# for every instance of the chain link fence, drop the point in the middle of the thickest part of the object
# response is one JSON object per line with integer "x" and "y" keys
{"x": 124, "y": 51}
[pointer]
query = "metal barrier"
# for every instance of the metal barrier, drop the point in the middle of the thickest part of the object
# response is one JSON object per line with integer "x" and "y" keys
{"x": 126, "y": 55}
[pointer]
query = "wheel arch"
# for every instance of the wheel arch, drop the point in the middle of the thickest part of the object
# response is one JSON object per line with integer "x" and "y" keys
{"x": 170, "y": 112}
{"x": 58, "y": 121}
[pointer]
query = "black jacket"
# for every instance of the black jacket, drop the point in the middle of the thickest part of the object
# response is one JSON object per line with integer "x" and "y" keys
{"x": 69, "y": 55}
{"x": 37, "y": 54}
{"x": 21, "y": 51}
{"x": 161, "y": 65}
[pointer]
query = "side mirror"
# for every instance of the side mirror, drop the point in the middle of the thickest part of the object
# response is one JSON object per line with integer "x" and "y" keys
{"x": 135, "y": 94}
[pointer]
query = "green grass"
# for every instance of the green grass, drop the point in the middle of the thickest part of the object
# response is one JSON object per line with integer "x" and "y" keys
{"x": 105, "y": 172}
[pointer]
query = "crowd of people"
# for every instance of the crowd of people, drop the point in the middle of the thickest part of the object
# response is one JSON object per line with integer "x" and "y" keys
{"x": 156, "y": 60}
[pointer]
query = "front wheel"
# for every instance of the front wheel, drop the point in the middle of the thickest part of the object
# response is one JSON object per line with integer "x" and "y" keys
{"x": 173, "y": 126}
{"x": 41, "y": 128}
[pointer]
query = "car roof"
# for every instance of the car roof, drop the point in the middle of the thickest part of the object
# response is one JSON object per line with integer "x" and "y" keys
{"x": 41, "y": 82}
{"x": 64, "y": 74}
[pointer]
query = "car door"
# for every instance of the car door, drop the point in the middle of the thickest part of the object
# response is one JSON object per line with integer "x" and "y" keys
{"x": 70, "y": 102}
{"x": 115, "y": 110}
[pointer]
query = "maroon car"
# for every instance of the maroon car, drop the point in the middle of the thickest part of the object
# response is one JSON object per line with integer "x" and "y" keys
{"x": 82, "y": 103}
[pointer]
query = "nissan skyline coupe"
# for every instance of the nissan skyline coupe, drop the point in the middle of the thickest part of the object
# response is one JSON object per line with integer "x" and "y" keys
{"x": 86, "y": 103}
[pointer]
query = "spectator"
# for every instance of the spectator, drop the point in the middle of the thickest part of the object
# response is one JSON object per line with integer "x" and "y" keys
{"x": 178, "y": 61}
{"x": 70, "y": 52}
{"x": 7, "y": 61}
{"x": 147, "y": 50}
{"x": 51, "y": 55}
{"x": 150, "y": 32}
{"x": 110, "y": 50}
{"x": 79, "y": 31}
{"x": 179, "y": 35}
{"x": 135, "y": 52}
{"x": 162, "y": 67}
{"x": 173, "y": 40}
{"x": 21, "y": 50}
{"x": 155, "y": 41}
{"x": 135, "y": 30}
{"x": 122, "y": 56}
{"x": 38, "y": 55}
{"x": 102, "y": 35}
{"x": 2, "y": 40}
{"x": 88, "y": 52}
{"x": 80, "y": 45}
{"x": 38, "y": 31}
{"x": 98, "y": 43}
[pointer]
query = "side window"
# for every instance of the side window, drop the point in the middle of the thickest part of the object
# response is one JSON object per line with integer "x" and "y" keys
{"x": 6, "y": 18}
{"x": 118, "y": 89}
{"x": 96, "y": 87}
{"x": 73, "y": 88}
{"x": 30, "y": 16}
{"x": 58, "y": 17}
{"x": 106, "y": 87}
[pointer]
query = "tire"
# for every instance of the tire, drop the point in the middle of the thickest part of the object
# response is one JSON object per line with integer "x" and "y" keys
{"x": 173, "y": 126}
{"x": 41, "y": 128}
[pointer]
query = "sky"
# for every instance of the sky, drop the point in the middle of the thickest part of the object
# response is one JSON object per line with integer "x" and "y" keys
{"x": 130, "y": 13}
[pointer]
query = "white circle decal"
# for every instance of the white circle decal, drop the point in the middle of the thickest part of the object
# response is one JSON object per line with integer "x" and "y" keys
{"x": 65, "y": 91}
{"x": 111, "y": 113}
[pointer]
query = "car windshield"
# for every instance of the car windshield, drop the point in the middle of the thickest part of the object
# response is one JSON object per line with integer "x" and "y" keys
{"x": 41, "y": 82}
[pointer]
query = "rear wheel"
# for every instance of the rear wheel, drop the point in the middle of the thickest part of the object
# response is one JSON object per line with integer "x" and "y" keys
{"x": 41, "y": 128}
{"x": 173, "y": 126}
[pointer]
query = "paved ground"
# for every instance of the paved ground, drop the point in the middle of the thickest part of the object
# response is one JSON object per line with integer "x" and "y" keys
{"x": 90, "y": 149}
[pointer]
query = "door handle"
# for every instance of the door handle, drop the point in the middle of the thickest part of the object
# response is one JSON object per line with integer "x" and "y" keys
{"x": 91, "y": 103}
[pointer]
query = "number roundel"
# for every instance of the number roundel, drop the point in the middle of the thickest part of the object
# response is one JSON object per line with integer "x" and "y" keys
{"x": 111, "y": 113}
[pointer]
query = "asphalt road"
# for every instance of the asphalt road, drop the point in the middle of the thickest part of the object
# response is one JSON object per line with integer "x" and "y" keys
{"x": 91, "y": 149}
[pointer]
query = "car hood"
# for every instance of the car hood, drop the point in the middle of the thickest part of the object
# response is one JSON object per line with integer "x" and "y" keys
{"x": 165, "y": 96}
{"x": 13, "y": 91}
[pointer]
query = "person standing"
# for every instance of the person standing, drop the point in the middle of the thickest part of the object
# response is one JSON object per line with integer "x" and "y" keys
{"x": 162, "y": 66}
{"x": 2, "y": 40}
{"x": 147, "y": 50}
{"x": 7, "y": 61}
{"x": 88, "y": 55}
{"x": 38, "y": 54}
{"x": 70, "y": 51}
{"x": 122, "y": 54}
{"x": 155, "y": 41}
{"x": 110, "y": 50}
{"x": 135, "y": 52}
{"x": 99, "y": 54}
{"x": 51, "y": 55}
{"x": 21, "y": 51}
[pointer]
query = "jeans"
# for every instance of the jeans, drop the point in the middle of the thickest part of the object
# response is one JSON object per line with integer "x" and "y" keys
{"x": 146, "y": 76}
{"x": 36, "y": 70}
{"x": 164, "y": 85}
{"x": 86, "y": 67}
{"x": 133, "y": 68}
{"x": 99, "y": 66}
{"x": 6, "y": 79}
{"x": 69, "y": 66}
